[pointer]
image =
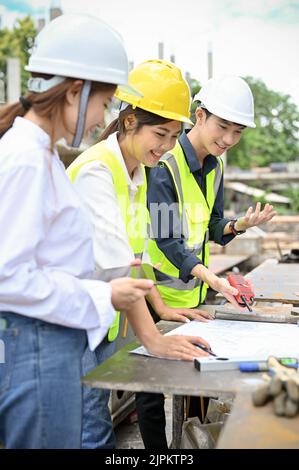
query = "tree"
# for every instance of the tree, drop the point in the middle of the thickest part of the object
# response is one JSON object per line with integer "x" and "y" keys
{"x": 17, "y": 43}
{"x": 275, "y": 138}
{"x": 194, "y": 86}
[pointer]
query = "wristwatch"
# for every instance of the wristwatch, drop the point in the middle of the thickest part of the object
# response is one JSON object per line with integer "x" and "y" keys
{"x": 233, "y": 229}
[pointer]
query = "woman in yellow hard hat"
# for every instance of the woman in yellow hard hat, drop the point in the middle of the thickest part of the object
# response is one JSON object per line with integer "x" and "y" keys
{"x": 111, "y": 182}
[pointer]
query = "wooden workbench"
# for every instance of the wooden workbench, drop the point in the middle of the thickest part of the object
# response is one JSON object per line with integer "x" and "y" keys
{"x": 275, "y": 281}
{"x": 251, "y": 427}
{"x": 247, "y": 426}
{"x": 126, "y": 371}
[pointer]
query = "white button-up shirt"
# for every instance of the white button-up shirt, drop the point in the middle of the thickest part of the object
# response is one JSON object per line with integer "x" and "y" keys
{"x": 94, "y": 185}
{"x": 46, "y": 255}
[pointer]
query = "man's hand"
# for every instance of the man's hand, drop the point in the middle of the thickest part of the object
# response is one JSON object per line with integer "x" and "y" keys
{"x": 256, "y": 217}
{"x": 229, "y": 292}
{"x": 219, "y": 284}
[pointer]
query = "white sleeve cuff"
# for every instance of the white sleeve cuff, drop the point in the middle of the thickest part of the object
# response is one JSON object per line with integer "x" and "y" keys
{"x": 100, "y": 292}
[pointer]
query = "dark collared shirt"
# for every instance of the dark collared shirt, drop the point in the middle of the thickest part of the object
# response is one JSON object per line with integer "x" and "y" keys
{"x": 162, "y": 190}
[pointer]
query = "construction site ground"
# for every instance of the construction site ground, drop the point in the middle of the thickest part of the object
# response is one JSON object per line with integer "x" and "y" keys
{"x": 128, "y": 434}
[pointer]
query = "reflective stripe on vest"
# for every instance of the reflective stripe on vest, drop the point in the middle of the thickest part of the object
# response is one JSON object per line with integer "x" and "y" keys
{"x": 195, "y": 212}
{"x": 134, "y": 214}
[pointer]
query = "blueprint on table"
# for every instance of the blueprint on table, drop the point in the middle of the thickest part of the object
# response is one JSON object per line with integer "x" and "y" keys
{"x": 252, "y": 340}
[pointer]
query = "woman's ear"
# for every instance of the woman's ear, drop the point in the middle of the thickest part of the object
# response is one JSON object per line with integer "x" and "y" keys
{"x": 130, "y": 122}
{"x": 73, "y": 93}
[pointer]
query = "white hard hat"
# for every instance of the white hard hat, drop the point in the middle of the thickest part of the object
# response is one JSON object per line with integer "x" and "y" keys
{"x": 82, "y": 47}
{"x": 229, "y": 98}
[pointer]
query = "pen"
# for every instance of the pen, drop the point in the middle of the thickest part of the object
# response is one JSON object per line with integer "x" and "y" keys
{"x": 201, "y": 346}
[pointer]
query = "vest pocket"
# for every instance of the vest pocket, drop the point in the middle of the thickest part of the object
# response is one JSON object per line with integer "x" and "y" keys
{"x": 198, "y": 218}
{"x": 197, "y": 213}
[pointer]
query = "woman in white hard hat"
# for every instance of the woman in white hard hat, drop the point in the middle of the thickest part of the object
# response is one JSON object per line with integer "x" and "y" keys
{"x": 192, "y": 175}
{"x": 48, "y": 298}
{"x": 110, "y": 180}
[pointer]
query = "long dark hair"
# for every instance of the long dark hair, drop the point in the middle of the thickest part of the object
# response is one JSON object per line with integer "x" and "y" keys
{"x": 47, "y": 104}
{"x": 144, "y": 118}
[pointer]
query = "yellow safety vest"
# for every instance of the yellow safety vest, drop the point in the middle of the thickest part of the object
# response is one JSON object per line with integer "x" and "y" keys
{"x": 134, "y": 215}
{"x": 195, "y": 211}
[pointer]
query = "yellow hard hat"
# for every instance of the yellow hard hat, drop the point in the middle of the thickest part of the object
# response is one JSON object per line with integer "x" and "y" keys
{"x": 163, "y": 88}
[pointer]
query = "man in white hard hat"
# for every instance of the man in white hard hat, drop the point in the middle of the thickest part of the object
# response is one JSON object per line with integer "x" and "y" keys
{"x": 189, "y": 180}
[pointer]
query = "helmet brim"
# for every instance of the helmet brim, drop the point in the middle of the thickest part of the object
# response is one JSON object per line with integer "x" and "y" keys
{"x": 129, "y": 90}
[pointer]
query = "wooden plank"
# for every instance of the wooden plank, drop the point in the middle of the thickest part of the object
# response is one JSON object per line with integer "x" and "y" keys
{"x": 125, "y": 406}
{"x": 276, "y": 282}
{"x": 177, "y": 421}
{"x": 261, "y": 311}
{"x": 221, "y": 263}
{"x": 261, "y": 177}
{"x": 257, "y": 193}
{"x": 251, "y": 427}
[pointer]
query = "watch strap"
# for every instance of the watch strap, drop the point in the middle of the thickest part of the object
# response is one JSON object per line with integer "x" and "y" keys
{"x": 233, "y": 229}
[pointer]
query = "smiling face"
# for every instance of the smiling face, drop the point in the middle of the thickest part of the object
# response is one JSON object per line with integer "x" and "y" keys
{"x": 148, "y": 143}
{"x": 216, "y": 134}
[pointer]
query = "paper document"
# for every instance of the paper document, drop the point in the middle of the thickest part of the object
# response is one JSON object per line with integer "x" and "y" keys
{"x": 252, "y": 340}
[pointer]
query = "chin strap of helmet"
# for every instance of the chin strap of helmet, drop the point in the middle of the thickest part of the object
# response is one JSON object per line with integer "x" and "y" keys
{"x": 82, "y": 114}
{"x": 123, "y": 105}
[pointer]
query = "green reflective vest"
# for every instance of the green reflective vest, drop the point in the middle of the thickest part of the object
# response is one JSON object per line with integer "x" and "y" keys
{"x": 195, "y": 211}
{"x": 134, "y": 214}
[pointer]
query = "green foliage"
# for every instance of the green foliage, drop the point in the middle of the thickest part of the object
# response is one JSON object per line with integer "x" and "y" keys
{"x": 17, "y": 43}
{"x": 194, "y": 86}
{"x": 293, "y": 193}
{"x": 275, "y": 138}
{"x": 262, "y": 199}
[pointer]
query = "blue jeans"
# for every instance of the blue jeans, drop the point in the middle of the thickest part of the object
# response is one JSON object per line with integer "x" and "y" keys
{"x": 40, "y": 388}
{"x": 97, "y": 425}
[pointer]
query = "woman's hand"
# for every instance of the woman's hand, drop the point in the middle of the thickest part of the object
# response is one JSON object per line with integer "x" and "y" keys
{"x": 183, "y": 314}
{"x": 177, "y": 347}
{"x": 255, "y": 217}
{"x": 126, "y": 291}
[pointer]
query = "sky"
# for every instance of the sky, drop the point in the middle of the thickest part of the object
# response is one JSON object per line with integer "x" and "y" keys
{"x": 248, "y": 37}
